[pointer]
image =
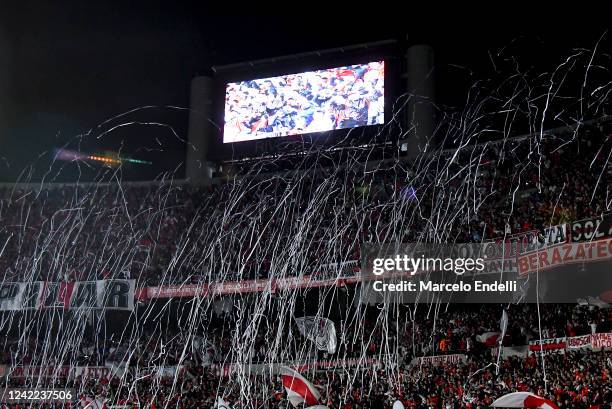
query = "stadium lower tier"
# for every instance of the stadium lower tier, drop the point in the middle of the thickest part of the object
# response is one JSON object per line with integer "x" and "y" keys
{"x": 579, "y": 380}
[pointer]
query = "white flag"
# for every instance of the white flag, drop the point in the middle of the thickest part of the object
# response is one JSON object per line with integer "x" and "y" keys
{"x": 221, "y": 404}
{"x": 398, "y": 404}
{"x": 596, "y": 301}
{"x": 321, "y": 331}
{"x": 503, "y": 325}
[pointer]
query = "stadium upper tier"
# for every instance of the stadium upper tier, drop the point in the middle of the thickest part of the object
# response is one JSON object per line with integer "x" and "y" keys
{"x": 284, "y": 225}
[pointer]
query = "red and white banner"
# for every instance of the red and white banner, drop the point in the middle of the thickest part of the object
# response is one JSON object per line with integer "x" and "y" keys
{"x": 523, "y": 400}
{"x": 488, "y": 338}
{"x": 101, "y": 294}
{"x": 599, "y": 341}
{"x": 299, "y": 389}
{"x": 560, "y": 345}
{"x": 580, "y": 342}
{"x": 350, "y": 268}
{"x": 194, "y": 290}
{"x": 565, "y": 254}
{"x": 366, "y": 363}
{"x": 547, "y": 346}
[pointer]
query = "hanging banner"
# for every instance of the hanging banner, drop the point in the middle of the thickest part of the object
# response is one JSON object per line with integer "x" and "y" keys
{"x": 59, "y": 372}
{"x": 547, "y": 346}
{"x": 101, "y": 294}
{"x": 592, "y": 229}
{"x": 89, "y": 372}
{"x": 439, "y": 359}
{"x": 338, "y": 274}
{"x": 303, "y": 366}
{"x": 565, "y": 254}
{"x": 599, "y": 341}
{"x": 580, "y": 342}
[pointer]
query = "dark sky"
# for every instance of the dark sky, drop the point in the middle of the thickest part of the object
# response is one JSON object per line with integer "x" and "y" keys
{"x": 66, "y": 69}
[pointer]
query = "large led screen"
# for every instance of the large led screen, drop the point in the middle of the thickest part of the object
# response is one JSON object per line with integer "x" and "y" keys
{"x": 315, "y": 101}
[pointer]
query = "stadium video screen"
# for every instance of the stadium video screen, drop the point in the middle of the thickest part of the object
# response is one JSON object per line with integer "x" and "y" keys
{"x": 315, "y": 101}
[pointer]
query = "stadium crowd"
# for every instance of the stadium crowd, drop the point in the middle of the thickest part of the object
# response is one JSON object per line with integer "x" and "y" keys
{"x": 460, "y": 329}
{"x": 169, "y": 233}
{"x": 576, "y": 380}
{"x": 157, "y": 233}
{"x": 196, "y": 362}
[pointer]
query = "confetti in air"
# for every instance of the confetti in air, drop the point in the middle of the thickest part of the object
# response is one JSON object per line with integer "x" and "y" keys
{"x": 217, "y": 291}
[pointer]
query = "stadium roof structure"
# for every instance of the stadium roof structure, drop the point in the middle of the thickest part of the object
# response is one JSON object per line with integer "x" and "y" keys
{"x": 303, "y": 56}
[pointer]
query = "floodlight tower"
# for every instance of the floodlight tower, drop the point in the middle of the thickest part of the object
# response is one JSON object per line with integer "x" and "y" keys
{"x": 420, "y": 86}
{"x": 201, "y": 129}
{"x": 5, "y": 60}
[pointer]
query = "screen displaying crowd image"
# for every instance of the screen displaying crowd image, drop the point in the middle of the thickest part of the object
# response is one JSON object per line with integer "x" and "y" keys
{"x": 316, "y": 101}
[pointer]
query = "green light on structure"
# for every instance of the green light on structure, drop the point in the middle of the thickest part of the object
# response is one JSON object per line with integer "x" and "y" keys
{"x": 142, "y": 162}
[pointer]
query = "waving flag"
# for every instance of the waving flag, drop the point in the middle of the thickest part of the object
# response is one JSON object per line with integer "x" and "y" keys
{"x": 523, "y": 400}
{"x": 597, "y": 301}
{"x": 319, "y": 330}
{"x": 488, "y": 338}
{"x": 398, "y": 404}
{"x": 299, "y": 390}
{"x": 221, "y": 403}
{"x": 90, "y": 403}
{"x": 503, "y": 324}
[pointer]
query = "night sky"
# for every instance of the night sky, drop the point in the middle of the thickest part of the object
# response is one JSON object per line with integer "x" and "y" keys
{"x": 66, "y": 69}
